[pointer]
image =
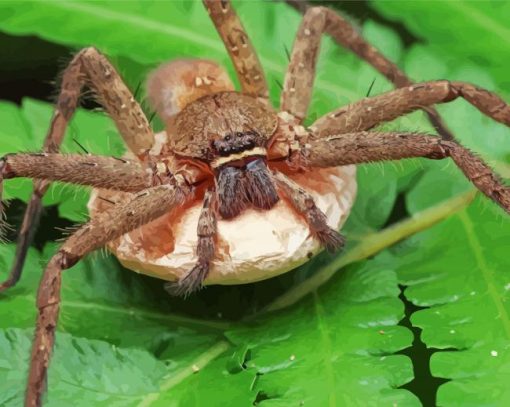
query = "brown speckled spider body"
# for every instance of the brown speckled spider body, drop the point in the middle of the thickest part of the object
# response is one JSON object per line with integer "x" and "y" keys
{"x": 230, "y": 143}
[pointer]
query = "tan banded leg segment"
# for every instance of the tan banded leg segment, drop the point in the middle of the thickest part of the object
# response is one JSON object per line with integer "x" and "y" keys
{"x": 239, "y": 47}
{"x": 145, "y": 206}
{"x": 363, "y": 147}
{"x": 344, "y": 34}
{"x": 206, "y": 231}
{"x": 298, "y": 84}
{"x": 370, "y": 112}
{"x": 96, "y": 171}
{"x": 304, "y": 204}
{"x": 88, "y": 67}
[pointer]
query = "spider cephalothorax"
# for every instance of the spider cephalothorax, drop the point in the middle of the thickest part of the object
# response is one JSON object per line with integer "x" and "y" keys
{"x": 230, "y": 150}
{"x": 230, "y": 132}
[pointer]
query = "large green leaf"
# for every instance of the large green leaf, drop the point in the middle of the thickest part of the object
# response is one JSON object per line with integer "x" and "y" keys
{"x": 336, "y": 346}
{"x": 183, "y": 29}
{"x": 460, "y": 271}
{"x": 474, "y": 32}
{"x": 101, "y": 300}
{"x": 91, "y": 372}
{"x": 354, "y": 321}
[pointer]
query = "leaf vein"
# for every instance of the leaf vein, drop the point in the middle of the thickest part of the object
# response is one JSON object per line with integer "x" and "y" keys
{"x": 486, "y": 271}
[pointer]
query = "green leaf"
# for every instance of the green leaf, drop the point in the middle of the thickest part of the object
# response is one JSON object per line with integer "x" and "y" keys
{"x": 476, "y": 32}
{"x": 337, "y": 345}
{"x": 83, "y": 373}
{"x": 342, "y": 338}
{"x": 354, "y": 320}
{"x": 460, "y": 271}
{"x": 102, "y": 300}
{"x": 183, "y": 29}
{"x": 91, "y": 372}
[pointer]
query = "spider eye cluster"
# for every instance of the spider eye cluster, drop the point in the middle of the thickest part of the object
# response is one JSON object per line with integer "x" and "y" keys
{"x": 235, "y": 142}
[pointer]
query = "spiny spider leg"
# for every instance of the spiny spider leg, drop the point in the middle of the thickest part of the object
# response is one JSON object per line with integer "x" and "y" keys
{"x": 144, "y": 207}
{"x": 298, "y": 83}
{"x": 370, "y": 112}
{"x": 304, "y": 204}
{"x": 88, "y": 67}
{"x": 363, "y": 147}
{"x": 239, "y": 47}
{"x": 206, "y": 231}
{"x": 344, "y": 34}
{"x": 96, "y": 171}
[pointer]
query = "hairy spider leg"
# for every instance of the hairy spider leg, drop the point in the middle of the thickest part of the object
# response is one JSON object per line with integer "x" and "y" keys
{"x": 304, "y": 204}
{"x": 91, "y": 170}
{"x": 370, "y": 112}
{"x": 206, "y": 231}
{"x": 239, "y": 47}
{"x": 319, "y": 20}
{"x": 343, "y": 149}
{"x": 144, "y": 207}
{"x": 88, "y": 67}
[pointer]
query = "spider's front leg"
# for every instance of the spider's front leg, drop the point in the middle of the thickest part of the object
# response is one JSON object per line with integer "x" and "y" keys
{"x": 100, "y": 172}
{"x": 239, "y": 47}
{"x": 370, "y": 112}
{"x": 88, "y": 67}
{"x": 96, "y": 171}
{"x": 300, "y": 75}
{"x": 144, "y": 207}
{"x": 363, "y": 147}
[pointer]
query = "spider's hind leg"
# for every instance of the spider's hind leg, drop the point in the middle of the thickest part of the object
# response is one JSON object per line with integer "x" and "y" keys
{"x": 147, "y": 205}
{"x": 206, "y": 231}
{"x": 305, "y": 205}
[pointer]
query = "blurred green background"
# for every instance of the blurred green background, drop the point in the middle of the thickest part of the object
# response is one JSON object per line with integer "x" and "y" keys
{"x": 423, "y": 323}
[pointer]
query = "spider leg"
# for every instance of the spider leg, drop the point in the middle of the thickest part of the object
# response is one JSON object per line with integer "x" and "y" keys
{"x": 303, "y": 202}
{"x": 96, "y": 171}
{"x": 144, "y": 207}
{"x": 239, "y": 47}
{"x": 346, "y": 35}
{"x": 206, "y": 232}
{"x": 88, "y": 67}
{"x": 370, "y": 112}
{"x": 298, "y": 83}
{"x": 362, "y": 147}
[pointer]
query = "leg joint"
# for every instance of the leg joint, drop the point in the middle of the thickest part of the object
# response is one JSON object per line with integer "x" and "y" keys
{"x": 66, "y": 259}
{"x": 453, "y": 92}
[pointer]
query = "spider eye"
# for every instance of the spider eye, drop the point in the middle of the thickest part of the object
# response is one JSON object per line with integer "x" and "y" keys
{"x": 228, "y": 137}
{"x": 239, "y": 134}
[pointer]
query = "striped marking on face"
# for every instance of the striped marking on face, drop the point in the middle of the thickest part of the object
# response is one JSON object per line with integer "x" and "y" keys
{"x": 256, "y": 151}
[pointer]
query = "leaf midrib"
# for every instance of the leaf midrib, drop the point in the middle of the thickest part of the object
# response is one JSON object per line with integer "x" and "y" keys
{"x": 327, "y": 347}
{"x": 174, "y": 378}
{"x": 216, "y": 326}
